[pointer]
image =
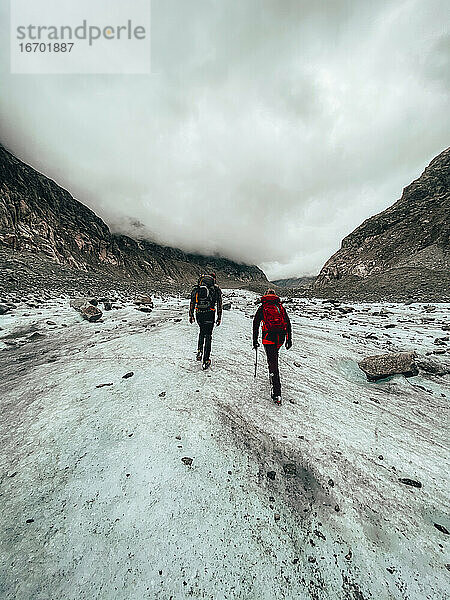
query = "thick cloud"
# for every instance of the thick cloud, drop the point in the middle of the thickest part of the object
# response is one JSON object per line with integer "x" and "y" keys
{"x": 266, "y": 132}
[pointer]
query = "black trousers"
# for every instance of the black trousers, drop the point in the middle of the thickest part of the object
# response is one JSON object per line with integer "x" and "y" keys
{"x": 272, "y": 361}
{"x": 205, "y": 321}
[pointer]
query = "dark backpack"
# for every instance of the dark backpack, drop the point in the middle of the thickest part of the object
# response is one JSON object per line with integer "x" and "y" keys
{"x": 205, "y": 296}
{"x": 273, "y": 314}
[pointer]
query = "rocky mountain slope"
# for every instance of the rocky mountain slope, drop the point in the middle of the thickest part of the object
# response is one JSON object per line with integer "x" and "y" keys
{"x": 42, "y": 225}
{"x": 403, "y": 251}
{"x": 294, "y": 282}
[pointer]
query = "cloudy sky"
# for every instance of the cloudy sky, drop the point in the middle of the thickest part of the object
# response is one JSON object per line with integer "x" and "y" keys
{"x": 266, "y": 132}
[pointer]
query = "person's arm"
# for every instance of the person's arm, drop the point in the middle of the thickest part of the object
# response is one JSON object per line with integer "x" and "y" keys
{"x": 256, "y": 323}
{"x": 219, "y": 305}
{"x": 192, "y": 304}
{"x": 288, "y": 330}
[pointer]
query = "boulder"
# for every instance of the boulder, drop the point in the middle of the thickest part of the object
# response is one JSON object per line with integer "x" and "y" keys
{"x": 144, "y": 299}
{"x": 4, "y": 309}
{"x": 227, "y": 306}
{"x": 345, "y": 310}
{"x": 87, "y": 310}
{"x": 384, "y": 365}
{"x": 144, "y": 308}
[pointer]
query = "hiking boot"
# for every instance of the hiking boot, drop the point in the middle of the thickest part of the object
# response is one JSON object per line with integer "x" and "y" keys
{"x": 199, "y": 354}
{"x": 206, "y": 364}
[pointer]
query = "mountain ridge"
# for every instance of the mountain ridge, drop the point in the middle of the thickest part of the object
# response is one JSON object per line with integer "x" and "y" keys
{"x": 403, "y": 250}
{"x": 39, "y": 217}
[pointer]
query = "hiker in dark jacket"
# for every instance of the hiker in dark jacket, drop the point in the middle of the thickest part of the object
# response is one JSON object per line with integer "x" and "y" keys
{"x": 205, "y": 297}
{"x": 276, "y": 330}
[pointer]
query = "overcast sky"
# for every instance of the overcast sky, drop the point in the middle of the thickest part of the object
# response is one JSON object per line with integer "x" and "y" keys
{"x": 267, "y": 131}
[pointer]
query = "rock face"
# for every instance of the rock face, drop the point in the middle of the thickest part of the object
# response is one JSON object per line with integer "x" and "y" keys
{"x": 384, "y": 365}
{"x": 295, "y": 282}
{"x": 39, "y": 217}
{"x": 404, "y": 249}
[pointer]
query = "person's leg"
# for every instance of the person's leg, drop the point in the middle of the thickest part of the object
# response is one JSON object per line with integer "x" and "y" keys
{"x": 208, "y": 328}
{"x": 272, "y": 363}
{"x": 276, "y": 378}
{"x": 201, "y": 333}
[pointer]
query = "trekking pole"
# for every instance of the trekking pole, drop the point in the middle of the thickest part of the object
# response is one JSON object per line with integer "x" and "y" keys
{"x": 256, "y": 360}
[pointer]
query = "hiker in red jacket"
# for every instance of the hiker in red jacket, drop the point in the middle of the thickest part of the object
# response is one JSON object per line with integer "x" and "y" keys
{"x": 276, "y": 330}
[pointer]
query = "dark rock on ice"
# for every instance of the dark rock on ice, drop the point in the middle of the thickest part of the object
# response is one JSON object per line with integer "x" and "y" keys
{"x": 128, "y": 375}
{"x": 390, "y": 570}
{"x": 35, "y": 336}
{"x": 429, "y": 308}
{"x": 384, "y": 365}
{"x": 187, "y": 460}
{"x": 4, "y": 309}
{"x": 371, "y": 336}
{"x": 86, "y": 309}
{"x": 410, "y": 482}
{"x": 145, "y": 309}
{"x": 144, "y": 299}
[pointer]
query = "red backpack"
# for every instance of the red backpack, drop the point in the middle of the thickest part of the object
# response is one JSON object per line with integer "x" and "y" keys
{"x": 273, "y": 314}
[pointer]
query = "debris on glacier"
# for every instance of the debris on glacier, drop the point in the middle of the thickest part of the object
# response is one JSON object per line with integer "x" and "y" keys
{"x": 339, "y": 494}
{"x": 385, "y": 365}
{"x": 87, "y": 309}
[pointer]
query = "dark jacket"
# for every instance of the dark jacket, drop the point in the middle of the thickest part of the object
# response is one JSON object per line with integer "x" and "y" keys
{"x": 269, "y": 337}
{"x": 216, "y": 301}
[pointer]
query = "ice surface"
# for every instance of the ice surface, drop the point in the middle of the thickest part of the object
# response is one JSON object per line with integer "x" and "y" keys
{"x": 115, "y": 512}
